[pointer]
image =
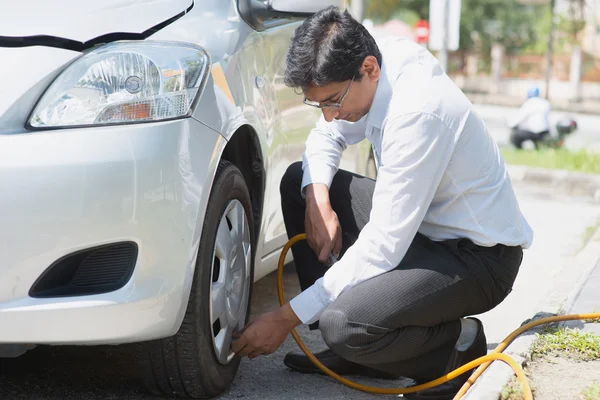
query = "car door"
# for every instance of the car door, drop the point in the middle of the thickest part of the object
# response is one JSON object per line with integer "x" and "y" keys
{"x": 291, "y": 123}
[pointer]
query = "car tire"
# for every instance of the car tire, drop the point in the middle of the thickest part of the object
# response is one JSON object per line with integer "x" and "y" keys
{"x": 188, "y": 364}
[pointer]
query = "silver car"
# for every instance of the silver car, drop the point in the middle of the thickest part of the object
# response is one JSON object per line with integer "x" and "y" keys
{"x": 142, "y": 143}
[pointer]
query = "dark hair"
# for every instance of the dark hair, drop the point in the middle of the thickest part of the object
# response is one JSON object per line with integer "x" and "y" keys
{"x": 329, "y": 46}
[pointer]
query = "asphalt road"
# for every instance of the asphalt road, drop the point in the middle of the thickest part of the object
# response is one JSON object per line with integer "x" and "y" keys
{"x": 587, "y": 135}
{"x": 94, "y": 373}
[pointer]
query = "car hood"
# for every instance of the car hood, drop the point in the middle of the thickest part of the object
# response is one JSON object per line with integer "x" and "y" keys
{"x": 84, "y": 20}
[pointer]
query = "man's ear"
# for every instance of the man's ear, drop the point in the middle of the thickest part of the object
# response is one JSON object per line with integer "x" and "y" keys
{"x": 370, "y": 68}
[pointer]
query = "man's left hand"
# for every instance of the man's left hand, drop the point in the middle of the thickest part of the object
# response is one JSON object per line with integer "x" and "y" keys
{"x": 265, "y": 334}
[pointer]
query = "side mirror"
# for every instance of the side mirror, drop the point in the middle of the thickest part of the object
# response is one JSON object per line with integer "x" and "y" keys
{"x": 299, "y": 7}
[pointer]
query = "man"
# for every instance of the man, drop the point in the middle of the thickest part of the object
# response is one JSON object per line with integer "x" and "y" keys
{"x": 532, "y": 121}
{"x": 437, "y": 237}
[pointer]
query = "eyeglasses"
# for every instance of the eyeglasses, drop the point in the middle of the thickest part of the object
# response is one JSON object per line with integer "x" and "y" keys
{"x": 329, "y": 105}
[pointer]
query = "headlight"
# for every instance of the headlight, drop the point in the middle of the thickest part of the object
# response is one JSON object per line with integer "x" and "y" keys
{"x": 124, "y": 82}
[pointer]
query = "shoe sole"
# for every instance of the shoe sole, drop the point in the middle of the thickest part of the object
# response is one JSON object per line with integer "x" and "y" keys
{"x": 441, "y": 397}
{"x": 367, "y": 374}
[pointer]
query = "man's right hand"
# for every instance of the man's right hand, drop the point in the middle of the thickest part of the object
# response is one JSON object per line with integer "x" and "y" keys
{"x": 323, "y": 230}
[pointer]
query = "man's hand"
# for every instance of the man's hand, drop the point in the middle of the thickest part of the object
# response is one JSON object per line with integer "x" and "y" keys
{"x": 265, "y": 334}
{"x": 322, "y": 227}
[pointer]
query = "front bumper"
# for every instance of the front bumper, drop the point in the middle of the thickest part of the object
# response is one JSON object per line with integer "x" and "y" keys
{"x": 67, "y": 190}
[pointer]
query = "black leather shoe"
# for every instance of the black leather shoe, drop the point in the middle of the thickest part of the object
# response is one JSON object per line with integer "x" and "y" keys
{"x": 297, "y": 361}
{"x": 448, "y": 390}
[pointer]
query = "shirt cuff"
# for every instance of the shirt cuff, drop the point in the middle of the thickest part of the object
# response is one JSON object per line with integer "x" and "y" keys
{"x": 317, "y": 173}
{"x": 308, "y": 305}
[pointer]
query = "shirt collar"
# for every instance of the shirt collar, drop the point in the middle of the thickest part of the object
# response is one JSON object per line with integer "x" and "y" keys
{"x": 381, "y": 100}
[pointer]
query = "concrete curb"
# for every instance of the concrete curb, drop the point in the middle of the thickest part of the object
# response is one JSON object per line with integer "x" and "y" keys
{"x": 571, "y": 182}
{"x": 567, "y": 288}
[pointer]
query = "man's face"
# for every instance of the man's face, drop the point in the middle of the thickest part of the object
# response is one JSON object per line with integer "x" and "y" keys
{"x": 354, "y": 96}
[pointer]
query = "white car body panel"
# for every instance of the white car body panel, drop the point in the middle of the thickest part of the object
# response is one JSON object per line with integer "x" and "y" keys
{"x": 273, "y": 110}
{"x": 85, "y": 20}
{"x": 79, "y": 188}
{"x": 69, "y": 189}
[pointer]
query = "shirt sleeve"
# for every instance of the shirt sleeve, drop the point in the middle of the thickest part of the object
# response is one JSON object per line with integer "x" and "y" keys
{"x": 324, "y": 148}
{"x": 416, "y": 149}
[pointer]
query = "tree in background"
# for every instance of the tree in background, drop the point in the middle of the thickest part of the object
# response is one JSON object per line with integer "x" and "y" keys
{"x": 483, "y": 22}
{"x": 507, "y": 22}
{"x": 383, "y": 10}
{"x": 521, "y": 28}
{"x": 572, "y": 23}
{"x": 541, "y": 27}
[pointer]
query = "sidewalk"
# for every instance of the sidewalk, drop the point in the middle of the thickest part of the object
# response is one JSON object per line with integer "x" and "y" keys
{"x": 577, "y": 291}
{"x": 570, "y": 182}
{"x": 587, "y": 301}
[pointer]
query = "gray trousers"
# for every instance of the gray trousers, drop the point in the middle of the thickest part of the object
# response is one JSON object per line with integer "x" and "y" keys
{"x": 405, "y": 321}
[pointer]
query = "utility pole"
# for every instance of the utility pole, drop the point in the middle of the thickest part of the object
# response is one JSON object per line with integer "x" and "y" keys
{"x": 549, "y": 51}
{"x": 444, "y": 23}
{"x": 443, "y": 53}
{"x": 357, "y": 9}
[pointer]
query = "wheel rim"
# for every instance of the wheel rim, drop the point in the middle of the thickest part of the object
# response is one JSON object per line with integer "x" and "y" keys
{"x": 230, "y": 273}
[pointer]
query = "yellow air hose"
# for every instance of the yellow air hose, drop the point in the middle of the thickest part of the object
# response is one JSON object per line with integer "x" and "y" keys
{"x": 482, "y": 362}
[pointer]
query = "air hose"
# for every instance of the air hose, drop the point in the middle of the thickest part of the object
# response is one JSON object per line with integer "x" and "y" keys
{"x": 482, "y": 362}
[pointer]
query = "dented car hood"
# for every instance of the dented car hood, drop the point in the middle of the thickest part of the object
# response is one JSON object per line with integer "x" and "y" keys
{"x": 23, "y": 22}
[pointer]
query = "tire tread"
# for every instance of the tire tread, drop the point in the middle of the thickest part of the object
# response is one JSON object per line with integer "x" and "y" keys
{"x": 175, "y": 366}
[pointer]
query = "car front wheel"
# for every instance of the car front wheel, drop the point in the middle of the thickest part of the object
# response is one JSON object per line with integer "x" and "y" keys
{"x": 197, "y": 362}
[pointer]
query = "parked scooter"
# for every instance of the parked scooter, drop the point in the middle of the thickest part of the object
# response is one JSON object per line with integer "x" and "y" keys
{"x": 554, "y": 139}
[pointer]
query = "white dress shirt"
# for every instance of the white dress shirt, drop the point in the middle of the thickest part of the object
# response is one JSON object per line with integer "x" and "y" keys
{"x": 439, "y": 173}
{"x": 533, "y": 116}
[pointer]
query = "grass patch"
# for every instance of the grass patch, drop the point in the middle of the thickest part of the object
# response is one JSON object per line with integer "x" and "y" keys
{"x": 571, "y": 343}
{"x": 594, "y": 320}
{"x": 580, "y": 161}
{"x": 591, "y": 392}
{"x": 513, "y": 390}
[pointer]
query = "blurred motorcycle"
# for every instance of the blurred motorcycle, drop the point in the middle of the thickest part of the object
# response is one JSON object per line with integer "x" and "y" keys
{"x": 553, "y": 140}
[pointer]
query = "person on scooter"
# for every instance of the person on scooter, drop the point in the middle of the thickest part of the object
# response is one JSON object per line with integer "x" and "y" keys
{"x": 532, "y": 121}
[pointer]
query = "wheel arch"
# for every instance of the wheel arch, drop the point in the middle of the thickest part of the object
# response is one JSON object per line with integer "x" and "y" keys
{"x": 242, "y": 147}
{"x": 244, "y": 150}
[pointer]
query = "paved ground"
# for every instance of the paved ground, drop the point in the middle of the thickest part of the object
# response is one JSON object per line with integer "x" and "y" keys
{"x": 588, "y": 301}
{"x": 560, "y": 379}
{"x": 587, "y": 135}
{"x": 72, "y": 373}
{"x": 559, "y": 223}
